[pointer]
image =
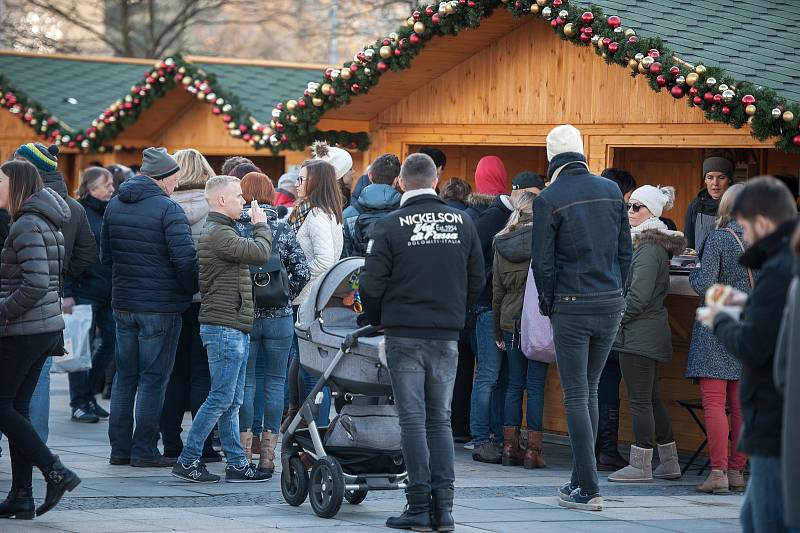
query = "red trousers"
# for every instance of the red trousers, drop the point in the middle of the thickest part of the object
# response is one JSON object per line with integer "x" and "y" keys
{"x": 717, "y": 393}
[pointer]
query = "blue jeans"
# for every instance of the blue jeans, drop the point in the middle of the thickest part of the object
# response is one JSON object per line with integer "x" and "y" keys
{"x": 83, "y": 385}
{"x": 762, "y": 511}
{"x": 270, "y": 344}
{"x": 488, "y": 392}
{"x": 40, "y": 402}
{"x": 423, "y": 373}
{"x": 146, "y": 344}
{"x": 583, "y": 343}
{"x": 227, "y": 350}
{"x": 518, "y": 367}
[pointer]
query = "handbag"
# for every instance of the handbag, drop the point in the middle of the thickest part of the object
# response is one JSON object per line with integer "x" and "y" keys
{"x": 270, "y": 280}
{"x": 741, "y": 245}
{"x": 536, "y": 331}
{"x": 77, "y": 341}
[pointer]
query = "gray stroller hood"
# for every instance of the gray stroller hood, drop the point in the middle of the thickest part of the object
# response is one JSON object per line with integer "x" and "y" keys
{"x": 323, "y": 322}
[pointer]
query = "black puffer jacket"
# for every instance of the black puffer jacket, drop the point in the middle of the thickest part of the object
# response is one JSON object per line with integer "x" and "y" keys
{"x": 79, "y": 245}
{"x": 29, "y": 267}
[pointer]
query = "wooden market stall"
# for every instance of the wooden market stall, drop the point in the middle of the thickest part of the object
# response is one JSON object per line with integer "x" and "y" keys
{"x": 501, "y": 85}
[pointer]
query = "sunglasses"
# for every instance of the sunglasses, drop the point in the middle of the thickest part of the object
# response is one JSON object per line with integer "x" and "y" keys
{"x": 635, "y": 207}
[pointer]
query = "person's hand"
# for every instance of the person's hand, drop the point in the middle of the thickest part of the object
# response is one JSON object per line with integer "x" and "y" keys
{"x": 737, "y": 298}
{"x": 501, "y": 345}
{"x": 707, "y": 315}
{"x": 66, "y": 305}
{"x": 257, "y": 214}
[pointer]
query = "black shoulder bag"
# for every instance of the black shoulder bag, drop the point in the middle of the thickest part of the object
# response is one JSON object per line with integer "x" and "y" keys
{"x": 270, "y": 280}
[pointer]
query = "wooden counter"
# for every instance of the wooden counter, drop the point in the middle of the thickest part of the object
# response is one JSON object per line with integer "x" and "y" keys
{"x": 681, "y": 304}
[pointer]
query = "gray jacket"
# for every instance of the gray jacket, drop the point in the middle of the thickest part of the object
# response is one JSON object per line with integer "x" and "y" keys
{"x": 30, "y": 265}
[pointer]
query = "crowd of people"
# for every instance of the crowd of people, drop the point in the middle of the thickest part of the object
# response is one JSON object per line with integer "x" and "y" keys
{"x": 174, "y": 258}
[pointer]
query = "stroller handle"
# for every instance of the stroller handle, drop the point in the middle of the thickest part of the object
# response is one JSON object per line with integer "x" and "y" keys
{"x": 352, "y": 338}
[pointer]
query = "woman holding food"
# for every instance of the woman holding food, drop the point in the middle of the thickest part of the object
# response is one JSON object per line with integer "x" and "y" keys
{"x": 709, "y": 362}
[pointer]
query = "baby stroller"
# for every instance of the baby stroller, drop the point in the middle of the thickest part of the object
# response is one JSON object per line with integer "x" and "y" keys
{"x": 360, "y": 450}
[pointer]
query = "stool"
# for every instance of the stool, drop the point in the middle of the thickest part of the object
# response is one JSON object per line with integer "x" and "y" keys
{"x": 693, "y": 406}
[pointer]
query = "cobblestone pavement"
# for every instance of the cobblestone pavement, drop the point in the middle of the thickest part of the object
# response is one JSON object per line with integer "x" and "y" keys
{"x": 488, "y": 497}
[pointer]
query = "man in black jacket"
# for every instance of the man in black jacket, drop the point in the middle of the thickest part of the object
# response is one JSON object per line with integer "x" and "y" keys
{"x": 423, "y": 307}
{"x": 767, "y": 213}
{"x": 581, "y": 256}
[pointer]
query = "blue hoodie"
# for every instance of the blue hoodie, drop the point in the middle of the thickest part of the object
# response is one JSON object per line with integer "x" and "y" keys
{"x": 147, "y": 241}
{"x": 375, "y": 202}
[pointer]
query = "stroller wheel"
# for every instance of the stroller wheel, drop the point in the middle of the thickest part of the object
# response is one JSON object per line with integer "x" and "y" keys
{"x": 294, "y": 482}
{"x": 354, "y": 497}
{"x": 327, "y": 487}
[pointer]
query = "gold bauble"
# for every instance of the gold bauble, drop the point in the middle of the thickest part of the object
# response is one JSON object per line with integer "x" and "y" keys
{"x": 750, "y": 110}
{"x": 692, "y": 78}
{"x": 630, "y": 32}
{"x": 293, "y": 119}
{"x": 346, "y": 74}
{"x": 317, "y": 101}
{"x": 450, "y": 9}
{"x": 569, "y": 30}
{"x": 604, "y": 55}
{"x": 201, "y": 95}
{"x": 386, "y": 52}
{"x": 632, "y": 63}
{"x": 541, "y": 3}
{"x": 535, "y": 9}
{"x": 291, "y": 105}
{"x": 788, "y": 116}
{"x": 419, "y": 27}
{"x": 643, "y": 69}
{"x": 700, "y": 69}
{"x": 326, "y": 89}
{"x": 410, "y": 22}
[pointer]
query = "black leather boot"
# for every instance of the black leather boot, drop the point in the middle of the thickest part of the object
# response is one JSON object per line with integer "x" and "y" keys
{"x": 417, "y": 515}
{"x": 60, "y": 479}
{"x": 442, "y": 511}
{"x": 18, "y": 504}
{"x": 606, "y": 449}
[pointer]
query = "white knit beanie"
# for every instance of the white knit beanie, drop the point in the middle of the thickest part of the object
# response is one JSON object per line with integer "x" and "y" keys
{"x": 656, "y": 199}
{"x": 340, "y": 159}
{"x": 562, "y": 139}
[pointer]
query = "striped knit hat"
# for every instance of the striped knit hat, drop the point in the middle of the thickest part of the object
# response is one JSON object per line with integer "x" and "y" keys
{"x": 45, "y": 159}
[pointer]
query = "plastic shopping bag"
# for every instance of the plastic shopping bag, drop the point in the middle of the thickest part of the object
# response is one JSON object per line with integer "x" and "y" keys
{"x": 77, "y": 341}
{"x": 536, "y": 331}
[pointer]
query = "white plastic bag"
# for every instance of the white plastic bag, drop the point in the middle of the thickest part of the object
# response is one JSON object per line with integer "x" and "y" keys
{"x": 77, "y": 341}
{"x": 536, "y": 331}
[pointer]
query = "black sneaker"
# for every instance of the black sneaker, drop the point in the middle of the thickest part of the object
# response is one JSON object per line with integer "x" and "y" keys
{"x": 211, "y": 456}
{"x": 566, "y": 490}
{"x": 84, "y": 415}
{"x": 195, "y": 472}
{"x": 245, "y": 474}
{"x": 157, "y": 461}
{"x": 98, "y": 411}
{"x": 580, "y": 500}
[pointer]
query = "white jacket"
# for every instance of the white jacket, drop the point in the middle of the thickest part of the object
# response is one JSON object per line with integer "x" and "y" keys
{"x": 321, "y": 239}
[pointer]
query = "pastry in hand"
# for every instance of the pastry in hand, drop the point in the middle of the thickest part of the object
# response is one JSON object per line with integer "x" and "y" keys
{"x": 718, "y": 294}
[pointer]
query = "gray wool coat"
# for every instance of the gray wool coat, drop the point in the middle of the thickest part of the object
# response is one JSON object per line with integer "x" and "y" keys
{"x": 719, "y": 263}
{"x": 30, "y": 267}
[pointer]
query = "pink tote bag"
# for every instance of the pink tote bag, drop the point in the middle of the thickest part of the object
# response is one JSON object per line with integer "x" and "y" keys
{"x": 536, "y": 331}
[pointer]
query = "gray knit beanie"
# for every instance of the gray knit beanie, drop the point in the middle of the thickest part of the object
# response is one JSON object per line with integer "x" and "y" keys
{"x": 158, "y": 164}
{"x": 718, "y": 164}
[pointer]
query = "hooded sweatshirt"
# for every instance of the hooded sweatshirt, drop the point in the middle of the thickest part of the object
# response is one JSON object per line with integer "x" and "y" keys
{"x": 375, "y": 202}
{"x": 491, "y": 176}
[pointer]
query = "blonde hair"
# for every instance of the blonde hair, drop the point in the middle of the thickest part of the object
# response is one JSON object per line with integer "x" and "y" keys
{"x": 215, "y": 184}
{"x": 522, "y": 202}
{"x": 195, "y": 170}
{"x": 726, "y": 205}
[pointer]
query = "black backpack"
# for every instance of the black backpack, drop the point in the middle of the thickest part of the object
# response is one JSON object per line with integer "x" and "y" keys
{"x": 270, "y": 280}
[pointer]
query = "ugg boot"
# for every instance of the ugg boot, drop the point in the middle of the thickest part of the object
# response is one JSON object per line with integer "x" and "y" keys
{"x": 736, "y": 480}
{"x": 533, "y": 453}
{"x": 715, "y": 483}
{"x": 442, "y": 510}
{"x": 266, "y": 459}
{"x": 19, "y": 504}
{"x": 60, "y": 479}
{"x": 669, "y": 467}
{"x": 606, "y": 448}
{"x": 246, "y": 440}
{"x": 417, "y": 515}
{"x": 511, "y": 453}
{"x": 255, "y": 449}
{"x": 639, "y": 470}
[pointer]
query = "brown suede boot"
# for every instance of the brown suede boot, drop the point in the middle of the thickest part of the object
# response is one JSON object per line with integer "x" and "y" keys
{"x": 511, "y": 455}
{"x": 246, "y": 440}
{"x": 266, "y": 461}
{"x": 715, "y": 483}
{"x": 255, "y": 449}
{"x": 533, "y": 453}
{"x": 736, "y": 481}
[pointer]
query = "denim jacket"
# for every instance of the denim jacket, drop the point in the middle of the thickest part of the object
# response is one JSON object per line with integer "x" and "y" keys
{"x": 581, "y": 248}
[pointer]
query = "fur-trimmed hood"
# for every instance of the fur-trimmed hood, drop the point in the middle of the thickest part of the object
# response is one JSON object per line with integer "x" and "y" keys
{"x": 480, "y": 200}
{"x": 672, "y": 241}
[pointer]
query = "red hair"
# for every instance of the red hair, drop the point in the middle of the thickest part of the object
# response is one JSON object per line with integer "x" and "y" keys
{"x": 257, "y": 186}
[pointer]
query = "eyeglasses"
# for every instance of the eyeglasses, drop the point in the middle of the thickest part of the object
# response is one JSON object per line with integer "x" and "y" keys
{"x": 635, "y": 207}
{"x": 300, "y": 180}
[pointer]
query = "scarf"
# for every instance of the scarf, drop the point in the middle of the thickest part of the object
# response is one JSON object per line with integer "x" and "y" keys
{"x": 650, "y": 223}
{"x": 299, "y": 215}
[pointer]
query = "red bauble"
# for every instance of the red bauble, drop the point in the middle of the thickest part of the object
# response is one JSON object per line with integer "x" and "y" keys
{"x": 398, "y": 52}
{"x": 355, "y": 87}
{"x": 726, "y": 110}
{"x": 654, "y": 53}
{"x": 416, "y": 15}
{"x": 150, "y": 79}
{"x": 554, "y": 23}
{"x": 216, "y": 110}
{"x": 796, "y": 140}
{"x": 717, "y": 98}
{"x": 677, "y": 91}
{"x": 561, "y": 21}
{"x": 587, "y": 30}
{"x": 387, "y": 42}
{"x": 614, "y": 21}
{"x": 697, "y": 100}
{"x": 632, "y": 39}
{"x": 708, "y": 97}
{"x": 415, "y": 39}
{"x": 301, "y": 103}
{"x": 436, "y": 19}
{"x": 587, "y": 17}
{"x": 362, "y": 57}
{"x": 606, "y": 41}
{"x": 557, "y": 3}
{"x": 585, "y": 38}
{"x": 328, "y": 72}
{"x": 353, "y": 68}
{"x": 655, "y": 68}
{"x": 462, "y": 2}
{"x": 471, "y": 3}
{"x": 279, "y": 106}
{"x": 674, "y": 71}
{"x": 748, "y": 99}
{"x": 332, "y": 92}
{"x": 429, "y": 11}
{"x": 72, "y": 144}
{"x": 613, "y": 48}
{"x": 242, "y": 128}
{"x": 403, "y": 42}
{"x": 693, "y": 91}
{"x": 226, "y": 118}
{"x": 247, "y": 137}
{"x": 661, "y": 81}
{"x": 382, "y": 67}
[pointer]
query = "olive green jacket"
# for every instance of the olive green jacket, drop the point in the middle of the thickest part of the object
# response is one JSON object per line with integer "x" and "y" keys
{"x": 645, "y": 327}
{"x": 225, "y": 282}
{"x": 512, "y": 261}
